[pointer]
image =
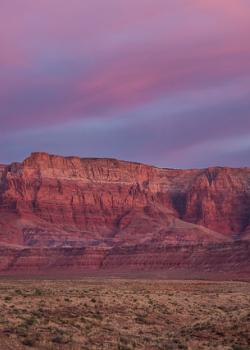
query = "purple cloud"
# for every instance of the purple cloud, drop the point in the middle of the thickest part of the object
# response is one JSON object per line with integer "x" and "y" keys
{"x": 87, "y": 63}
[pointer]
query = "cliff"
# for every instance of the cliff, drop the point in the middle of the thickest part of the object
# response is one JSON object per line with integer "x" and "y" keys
{"x": 93, "y": 209}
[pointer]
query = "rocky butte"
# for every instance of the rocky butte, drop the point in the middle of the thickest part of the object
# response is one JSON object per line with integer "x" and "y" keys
{"x": 86, "y": 214}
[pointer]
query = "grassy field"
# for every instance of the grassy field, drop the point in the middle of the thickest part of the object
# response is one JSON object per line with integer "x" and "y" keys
{"x": 124, "y": 314}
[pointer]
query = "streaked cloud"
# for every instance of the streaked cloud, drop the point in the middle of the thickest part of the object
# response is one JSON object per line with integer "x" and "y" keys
{"x": 165, "y": 77}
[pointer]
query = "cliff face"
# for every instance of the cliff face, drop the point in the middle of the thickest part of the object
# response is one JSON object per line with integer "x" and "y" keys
{"x": 51, "y": 206}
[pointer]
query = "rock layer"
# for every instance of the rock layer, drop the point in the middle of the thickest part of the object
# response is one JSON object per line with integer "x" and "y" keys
{"x": 66, "y": 212}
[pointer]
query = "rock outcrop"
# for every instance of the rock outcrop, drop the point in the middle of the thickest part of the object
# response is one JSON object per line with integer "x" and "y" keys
{"x": 91, "y": 214}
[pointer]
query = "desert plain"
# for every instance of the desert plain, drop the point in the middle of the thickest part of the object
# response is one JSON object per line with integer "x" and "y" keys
{"x": 124, "y": 314}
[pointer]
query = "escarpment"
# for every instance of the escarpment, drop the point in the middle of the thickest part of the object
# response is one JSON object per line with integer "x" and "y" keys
{"x": 89, "y": 213}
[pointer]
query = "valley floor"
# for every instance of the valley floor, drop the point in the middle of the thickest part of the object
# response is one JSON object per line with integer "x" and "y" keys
{"x": 124, "y": 314}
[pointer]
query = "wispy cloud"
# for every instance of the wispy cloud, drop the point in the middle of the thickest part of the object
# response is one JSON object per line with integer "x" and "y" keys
{"x": 167, "y": 75}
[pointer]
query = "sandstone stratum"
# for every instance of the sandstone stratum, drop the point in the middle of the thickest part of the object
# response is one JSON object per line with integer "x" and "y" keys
{"x": 90, "y": 214}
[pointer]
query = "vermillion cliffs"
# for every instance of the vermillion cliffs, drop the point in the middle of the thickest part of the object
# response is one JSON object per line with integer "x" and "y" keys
{"x": 67, "y": 213}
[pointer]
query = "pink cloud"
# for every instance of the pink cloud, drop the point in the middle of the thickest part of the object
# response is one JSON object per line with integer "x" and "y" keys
{"x": 29, "y": 28}
{"x": 239, "y": 9}
{"x": 121, "y": 82}
{"x": 140, "y": 75}
{"x": 118, "y": 54}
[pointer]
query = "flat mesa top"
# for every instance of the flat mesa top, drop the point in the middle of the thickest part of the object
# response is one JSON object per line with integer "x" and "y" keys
{"x": 44, "y": 156}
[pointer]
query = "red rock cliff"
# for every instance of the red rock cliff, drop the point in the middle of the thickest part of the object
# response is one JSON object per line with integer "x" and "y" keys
{"x": 53, "y": 202}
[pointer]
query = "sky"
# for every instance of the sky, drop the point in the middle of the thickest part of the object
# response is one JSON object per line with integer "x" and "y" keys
{"x": 156, "y": 81}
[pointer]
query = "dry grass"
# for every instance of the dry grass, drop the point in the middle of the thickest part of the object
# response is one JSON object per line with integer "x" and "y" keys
{"x": 124, "y": 314}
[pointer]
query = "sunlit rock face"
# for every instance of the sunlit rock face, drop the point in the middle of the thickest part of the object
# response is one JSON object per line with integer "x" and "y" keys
{"x": 92, "y": 214}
